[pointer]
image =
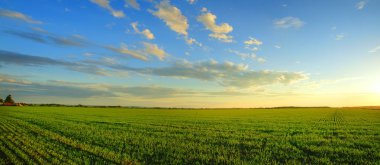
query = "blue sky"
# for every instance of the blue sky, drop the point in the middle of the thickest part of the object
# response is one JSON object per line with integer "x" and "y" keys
{"x": 191, "y": 53}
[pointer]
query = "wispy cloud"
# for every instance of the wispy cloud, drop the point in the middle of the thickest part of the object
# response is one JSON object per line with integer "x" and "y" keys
{"x": 172, "y": 16}
{"x": 18, "y": 16}
{"x": 12, "y": 58}
{"x": 153, "y": 49}
{"x": 146, "y": 32}
{"x": 106, "y": 5}
{"x": 360, "y": 5}
{"x": 242, "y": 55}
{"x": 132, "y": 3}
{"x": 253, "y": 41}
{"x": 375, "y": 49}
{"x": 288, "y": 22}
{"x": 226, "y": 74}
{"x": 41, "y": 36}
{"x": 219, "y": 32}
{"x": 192, "y": 1}
{"x": 143, "y": 53}
{"x": 339, "y": 37}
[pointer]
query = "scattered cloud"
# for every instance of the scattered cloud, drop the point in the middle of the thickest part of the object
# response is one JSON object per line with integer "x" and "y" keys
{"x": 219, "y": 32}
{"x": 7, "y": 57}
{"x": 132, "y": 3}
{"x": 27, "y": 35}
{"x": 67, "y": 10}
{"x": 288, "y": 22}
{"x": 42, "y": 36}
{"x": 360, "y": 5}
{"x": 18, "y": 16}
{"x": 153, "y": 49}
{"x": 242, "y": 55}
{"x": 226, "y": 74}
{"x": 253, "y": 41}
{"x": 172, "y": 16}
{"x": 58, "y": 88}
{"x": 277, "y": 46}
{"x": 142, "y": 54}
{"x": 339, "y": 37}
{"x": 106, "y": 5}
{"x": 192, "y": 1}
{"x": 146, "y": 32}
{"x": 261, "y": 60}
{"x": 123, "y": 49}
{"x": 374, "y": 50}
{"x": 191, "y": 41}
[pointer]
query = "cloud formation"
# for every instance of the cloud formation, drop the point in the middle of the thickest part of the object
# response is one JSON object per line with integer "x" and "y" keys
{"x": 18, "y": 16}
{"x": 41, "y": 36}
{"x": 226, "y": 74}
{"x": 360, "y": 5}
{"x": 288, "y": 22}
{"x": 143, "y": 53}
{"x": 106, "y": 5}
{"x": 219, "y": 32}
{"x": 172, "y": 16}
{"x": 146, "y": 32}
{"x": 132, "y": 3}
{"x": 339, "y": 37}
{"x": 374, "y": 50}
{"x": 7, "y": 58}
{"x": 253, "y": 41}
{"x": 192, "y": 1}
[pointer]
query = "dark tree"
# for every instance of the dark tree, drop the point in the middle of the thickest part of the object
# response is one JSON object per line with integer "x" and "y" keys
{"x": 9, "y": 99}
{"x": 1, "y": 100}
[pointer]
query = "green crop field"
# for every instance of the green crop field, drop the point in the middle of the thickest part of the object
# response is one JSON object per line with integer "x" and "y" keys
{"x": 77, "y": 135}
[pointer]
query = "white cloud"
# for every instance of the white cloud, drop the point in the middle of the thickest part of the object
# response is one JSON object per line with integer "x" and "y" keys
{"x": 288, "y": 22}
{"x": 18, "y": 16}
{"x": 106, "y": 4}
{"x": 132, "y": 3}
{"x": 219, "y": 32}
{"x": 142, "y": 53}
{"x": 374, "y": 50}
{"x": 277, "y": 46}
{"x": 339, "y": 37}
{"x": 146, "y": 32}
{"x": 191, "y": 41}
{"x": 172, "y": 16}
{"x": 191, "y": 1}
{"x": 261, "y": 60}
{"x": 123, "y": 49}
{"x": 253, "y": 41}
{"x": 360, "y": 5}
{"x": 154, "y": 50}
{"x": 242, "y": 55}
{"x": 226, "y": 74}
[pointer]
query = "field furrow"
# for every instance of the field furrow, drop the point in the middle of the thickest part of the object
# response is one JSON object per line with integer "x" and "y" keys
{"x": 67, "y": 135}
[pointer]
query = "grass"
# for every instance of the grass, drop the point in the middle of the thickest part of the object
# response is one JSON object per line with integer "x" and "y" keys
{"x": 73, "y": 135}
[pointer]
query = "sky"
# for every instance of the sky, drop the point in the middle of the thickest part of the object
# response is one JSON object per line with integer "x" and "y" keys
{"x": 191, "y": 53}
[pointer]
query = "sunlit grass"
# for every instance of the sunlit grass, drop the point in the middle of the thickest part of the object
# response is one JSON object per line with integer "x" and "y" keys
{"x": 68, "y": 135}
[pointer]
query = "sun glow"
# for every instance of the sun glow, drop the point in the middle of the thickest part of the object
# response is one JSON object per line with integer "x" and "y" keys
{"x": 377, "y": 89}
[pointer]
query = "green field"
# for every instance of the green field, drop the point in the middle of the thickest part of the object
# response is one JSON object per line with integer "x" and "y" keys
{"x": 73, "y": 135}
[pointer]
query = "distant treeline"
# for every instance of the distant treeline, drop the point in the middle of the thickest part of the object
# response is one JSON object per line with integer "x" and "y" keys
{"x": 141, "y": 107}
